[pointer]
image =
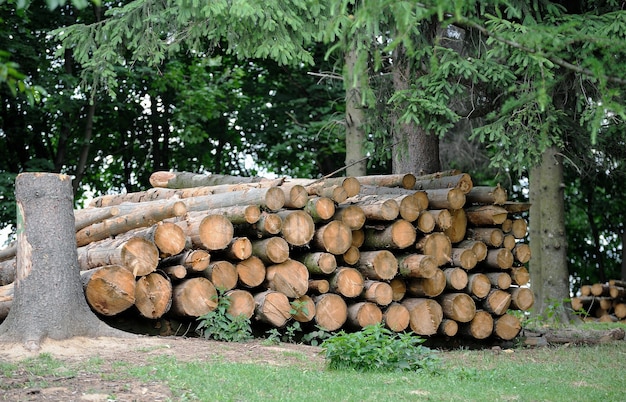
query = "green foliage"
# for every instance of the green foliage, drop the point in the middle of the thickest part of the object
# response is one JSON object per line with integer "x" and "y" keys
{"x": 376, "y": 348}
{"x": 222, "y": 326}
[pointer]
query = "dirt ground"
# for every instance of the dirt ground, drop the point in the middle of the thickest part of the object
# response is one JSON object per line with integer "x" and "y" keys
{"x": 86, "y": 386}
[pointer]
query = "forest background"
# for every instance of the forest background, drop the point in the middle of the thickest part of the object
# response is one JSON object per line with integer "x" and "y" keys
{"x": 111, "y": 92}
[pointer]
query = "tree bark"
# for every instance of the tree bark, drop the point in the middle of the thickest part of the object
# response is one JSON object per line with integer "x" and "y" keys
{"x": 46, "y": 259}
{"x": 461, "y": 181}
{"x": 355, "y": 116}
{"x": 186, "y": 179}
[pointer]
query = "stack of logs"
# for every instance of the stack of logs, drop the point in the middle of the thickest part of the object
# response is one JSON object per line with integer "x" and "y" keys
{"x": 603, "y": 302}
{"x": 432, "y": 254}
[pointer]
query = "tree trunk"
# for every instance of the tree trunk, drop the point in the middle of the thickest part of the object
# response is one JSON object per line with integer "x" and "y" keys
{"x": 548, "y": 267}
{"x": 355, "y": 117}
{"x": 47, "y": 284}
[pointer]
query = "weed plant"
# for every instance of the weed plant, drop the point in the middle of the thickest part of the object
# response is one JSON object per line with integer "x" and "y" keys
{"x": 220, "y": 325}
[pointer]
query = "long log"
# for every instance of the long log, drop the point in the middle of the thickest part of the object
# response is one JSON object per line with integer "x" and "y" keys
{"x": 193, "y": 297}
{"x": 291, "y": 278}
{"x": 377, "y": 292}
{"x": 187, "y": 179}
{"x": 492, "y": 237}
{"x": 462, "y": 181}
{"x": 397, "y": 235}
{"x": 459, "y": 307}
{"x": 362, "y": 314}
{"x": 377, "y": 207}
{"x": 109, "y": 290}
{"x": 298, "y": 227}
{"x": 222, "y": 274}
{"x": 486, "y": 215}
{"x": 487, "y": 195}
{"x": 271, "y": 198}
{"x": 445, "y": 198}
{"x": 406, "y": 181}
{"x": 250, "y": 272}
{"x": 153, "y": 295}
{"x": 334, "y": 237}
{"x": 137, "y": 254}
{"x": 378, "y": 264}
{"x": 272, "y": 307}
{"x": 416, "y": 265}
{"x": 331, "y": 311}
{"x": 396, "y": 317}
{"x": 425, "y": 315}
{"x": 347, "y": 282}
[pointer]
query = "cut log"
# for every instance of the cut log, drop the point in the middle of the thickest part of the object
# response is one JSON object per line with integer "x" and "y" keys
{"x": 398, "y": 235}
{"x": 521, "y": 252}
{"x": 409, "y": 207}
{"x": 142, "y": 218}
{"x": 347, "y": 282}
{"x": 457, "y": 231}
{"x": 319, "y": 286}
{"x": 137, "y": 254}
{"x": 319, "y": 262}
{"x": 193, "y": 260}
{"x": 448, "y": 327}
{"x": 109, "y": 290}
{"x": 187, "y": 179}
{"x": 443, "y": 219}
{"x": 169, "y": 238}
{"x": 462, "y": 182}
{"x": 456, "y": 278}
{"x": 507, "y": 225}
{"x": 296, "y": 196}
{"x": 222, "y": 274}
{"x": 272, "y": 307}
{"x": 89, "y": 216}
{"x": 358, "y": 237}
{"x": 362, "y": 314}
{"x": 422, "y": 200}
{"x": 334, "y": 237}
{"x": 416, "y": 265}
{"x": 486, "y": 215}
{"x": 377, "y": 207}
{"x": 516, "y": 207}
{"x": 396, "y": 317}
{"x": 509, "y": 242}
{"x": 478, "y": 247}
{"x": 478, "y": 285}
{"x": 320, "y": 208}
{"x": 268, "y": 224}
{"x": 216, "y": 232}
{"x": 175, "y": 272}
{"x": 351, "y": 215}
{"x": 350, "y": 257}
{"x": 271, "y": 198}
{"x": 620, "y": 310}
{"x": 153, "y": 295}
{"x": 464, "y": 258}
{"x": 236, "y": 214}
{"x": 378, "y": 264}
{"x": 427, "y": 287}
{"x": 406, "y": 181}
{"x": 519, "y": 276}
{"x": 492, "y": 237}
{"x": 426, "y": 222}
{"x": 459, "y": 307}
{"x": 241, "y": 303}
{"x": 298, "y": 227}
{"x": 499, "y": 280}
{"x": 617, "y": 282}
{"x": 600, "y": 289}
{"x": 500, "y": 258}
{"x": 398, "y": 285}
{"x": 487, "y": 195}
{"x": 521, "y": 298}
{"x": 331, "y": 311}
{"x": 377, "y": 292}
{"x": 520, "y": 228}
{"x": 291, "y": 278}
{"x": 193, "y": 297}
{"x": 437, "y": 245}
{"x": 250, "y": 272}
{"x": 617, "y": 292}
{"x": 449, "y": 198}
{"x": 240, "y": 248}
{"x": 272, "y": 250}
{"x": 306, "y": 309}
{"x": 506, "y": 327}
{"x": 497, "y": 302}
{"x": 481, "y": 326}
{"x": 425, "y": 315}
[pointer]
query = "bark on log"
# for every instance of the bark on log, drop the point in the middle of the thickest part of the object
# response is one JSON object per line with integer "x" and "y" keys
{"x": 427, "y": 287}
{"x": 187, "y": 179}
{"x": 521, "y": 298}
{"x": 425, "y": 315}
{"x": 121, "y": 224}
{"x": 272, "y": 307}
{"x": 153, "y": 295}
{"x": 464, "y": 258}
{"x": 516, "y": 207}
{"x": 448, "y": 198}
{"x": 480, "y": 327}
{"x": 497, "y": 302}
{"x": 362, "y": 314}
{"x": 88, "y": 216}
{"x": 351, "y": 215}
{"x": 347, "y": 282}
{"x": 487, "y": 195}
{"x": 298, "y": 227}
{"x": 456, "y": 278}
{"x": 194, "y": 297}
{"x": 377, "y": 292}
{"x": 331, "y": 311}
{"x": 192, "y": 260}
{"x": 478, "y": 285}
{"x": 406, "y": 181}
{"x": 416, "y": 266}
{"x": 272, "y": 250}
{"x": 437, "y": 245}
{"x": 459, "y": 307}
{"x": 268, "y": 224}
{"x": 239, "y": 214}
{"x": 334, "y": 237}
{"x": 462, "y": 181}
{"x": 241, "y": 303}
{"x": 271, "y": 198}
{"x": 291, "y": 278}
{"x": 319, "y": 262}
{"x": 320, "y": 208}
{"x": 109, "y": 290}
{"x": 396, "y": 317}
{"x": 306, "y": 310}
{"x": 378, "y": 264}
{"x": 486, "y": 215}
{"x": 506, "y": 327}
{"x": 175, "y": 272}
{"x": 222, "y": 274}
{"x": 250, "y": 272}
{"x": 457, "y": 231}
{"x": 398, "y": 235}
{"x": 138, "y": 255}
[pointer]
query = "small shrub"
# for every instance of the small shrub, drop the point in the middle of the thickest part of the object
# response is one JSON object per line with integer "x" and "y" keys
{"x": 222, "y": 326}
{"x": 376, "y": 348}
